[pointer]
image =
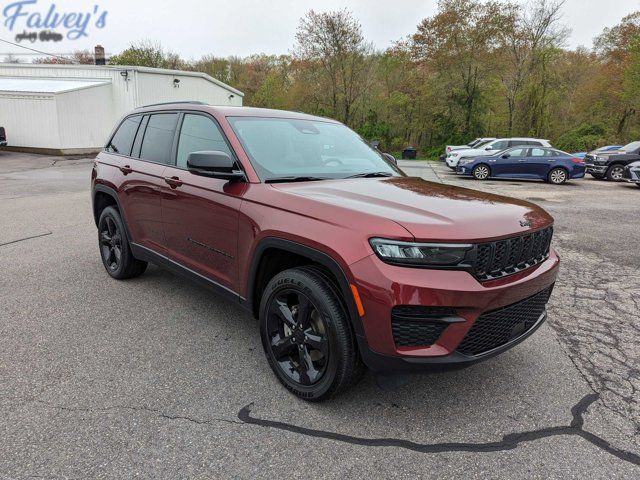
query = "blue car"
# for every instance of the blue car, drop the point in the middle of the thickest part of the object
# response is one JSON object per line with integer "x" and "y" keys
{"x": 606, "y": 148}
{"x": 539, "y": 163}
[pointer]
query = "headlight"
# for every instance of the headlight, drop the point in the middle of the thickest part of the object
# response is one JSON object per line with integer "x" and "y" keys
{"x": 466, "y": 161}
{"x": 600, "y": 159}
{"x": 454, "y": 154}
{"x": 420, "y": 254}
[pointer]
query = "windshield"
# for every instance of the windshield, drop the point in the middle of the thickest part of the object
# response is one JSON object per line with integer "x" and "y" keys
{"x": 282, "y": 147}
{"x": 482, "y": 145}
{"x": 629, "y": 147}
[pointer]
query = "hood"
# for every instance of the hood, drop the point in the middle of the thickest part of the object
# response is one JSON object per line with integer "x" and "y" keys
{"x": 428, "y": 211}
{"x": 470, "y": 152}
{"x": 595, "y": 153}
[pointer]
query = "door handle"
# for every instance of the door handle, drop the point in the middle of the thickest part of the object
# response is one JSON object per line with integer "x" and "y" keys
{"x": 522, "y": 160}
{"x": 174, "y": 182}
{"x": 126, "y": 169}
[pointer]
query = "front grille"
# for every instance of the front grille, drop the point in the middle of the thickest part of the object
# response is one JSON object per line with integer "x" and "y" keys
{"x": 418, "y": 326}
{"x": 504, "y": 257}
{"x": 495, "y": 328}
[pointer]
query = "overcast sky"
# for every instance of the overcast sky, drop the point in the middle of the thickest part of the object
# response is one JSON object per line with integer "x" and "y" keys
{"x": 242, "y": 27}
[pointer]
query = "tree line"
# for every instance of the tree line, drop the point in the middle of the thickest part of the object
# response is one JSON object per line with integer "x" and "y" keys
{"x": 473, "y": 69}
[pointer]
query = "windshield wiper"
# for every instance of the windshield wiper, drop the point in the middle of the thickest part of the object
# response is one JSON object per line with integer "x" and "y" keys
{"x": 293, "y": 179}
{"x": 371, "y": 175}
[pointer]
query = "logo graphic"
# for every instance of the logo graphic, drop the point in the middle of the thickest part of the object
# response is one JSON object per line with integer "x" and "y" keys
{"x": 525, "y": 223}
{"x": 46, "y": 23}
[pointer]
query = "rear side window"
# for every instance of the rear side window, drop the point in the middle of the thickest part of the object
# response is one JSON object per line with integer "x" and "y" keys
{"x": 541, "y": 152}
{"x": 501, "y": 145}
{"x": 198, "y": 134}
{"x": 122, "y": 140}
{"x": 518, "y": 152}
{"x": 158, "y": 138}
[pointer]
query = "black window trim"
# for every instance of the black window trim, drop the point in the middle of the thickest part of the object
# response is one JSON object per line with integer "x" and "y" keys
{"x": 144, "y": 117}
{"x": 174, "y": 147}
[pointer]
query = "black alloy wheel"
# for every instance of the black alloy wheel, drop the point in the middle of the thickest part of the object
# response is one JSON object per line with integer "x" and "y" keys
{"x": 114, "y": 246}
{"x": 298, "y": 339}
{"x": 307, "y": 334}
{"x": 111, "y": 244}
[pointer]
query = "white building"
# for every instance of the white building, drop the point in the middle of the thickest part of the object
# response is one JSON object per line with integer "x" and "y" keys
{"x": 72, "y": 108}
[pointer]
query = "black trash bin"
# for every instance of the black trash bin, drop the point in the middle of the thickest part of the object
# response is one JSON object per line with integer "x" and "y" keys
{"x": 409, "y": 153}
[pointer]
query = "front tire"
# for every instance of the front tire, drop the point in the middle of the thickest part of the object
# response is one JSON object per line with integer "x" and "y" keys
{"x": 115, "y": 251}
{"x": 614, "y": 173}
{"x": 557, "y": 176}
{"x": 306, "y": 334}
{"x": 481, "y": 172}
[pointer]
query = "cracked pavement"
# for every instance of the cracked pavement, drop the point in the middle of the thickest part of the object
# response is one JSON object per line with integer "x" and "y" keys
{"x": 157, "y": 378}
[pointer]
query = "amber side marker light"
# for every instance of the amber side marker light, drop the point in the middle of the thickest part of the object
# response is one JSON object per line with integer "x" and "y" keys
{"x": 356, "y": 297}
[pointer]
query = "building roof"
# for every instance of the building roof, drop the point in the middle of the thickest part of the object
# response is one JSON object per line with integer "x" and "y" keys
{"x": 46, "y": 85}
{"x": 157, "y": 71}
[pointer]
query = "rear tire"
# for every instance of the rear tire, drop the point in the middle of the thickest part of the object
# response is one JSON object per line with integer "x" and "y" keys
{"x": 481, "y": 172}
{"x": 614, "y": 173}
{"x": 306, "y": 335}
{"x": 115, "y": 250}
{"x": 557, "y": 176}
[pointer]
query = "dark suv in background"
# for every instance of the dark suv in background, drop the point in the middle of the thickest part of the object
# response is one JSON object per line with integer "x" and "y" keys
{"x": 610, "y": 165}
{"x": 344, "y": 260}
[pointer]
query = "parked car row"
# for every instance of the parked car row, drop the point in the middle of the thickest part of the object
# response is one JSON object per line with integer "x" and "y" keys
{"x": 534, "y": 158}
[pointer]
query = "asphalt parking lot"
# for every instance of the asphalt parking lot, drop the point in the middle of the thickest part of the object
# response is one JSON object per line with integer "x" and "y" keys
{"x": 156, "y": 378}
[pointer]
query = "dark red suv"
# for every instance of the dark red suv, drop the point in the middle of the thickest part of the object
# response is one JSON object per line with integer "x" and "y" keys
{"x": 345, "y": 261}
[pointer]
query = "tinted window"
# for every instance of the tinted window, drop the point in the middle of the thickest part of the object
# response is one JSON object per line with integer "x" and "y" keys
{"x": 630, "y": 147}
{"x": 158, "y": 138}
{"x": 501, "y": 145}
{"x": 123, "y": 138}
{"x": 199, "y": 133}
{"x": 283, "y": 147}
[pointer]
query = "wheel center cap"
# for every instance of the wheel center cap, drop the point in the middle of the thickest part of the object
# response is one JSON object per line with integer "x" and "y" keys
{"x": 299, "y": 336}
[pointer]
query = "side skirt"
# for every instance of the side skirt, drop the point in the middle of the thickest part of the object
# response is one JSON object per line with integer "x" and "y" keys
{"x": 148, "y": 255}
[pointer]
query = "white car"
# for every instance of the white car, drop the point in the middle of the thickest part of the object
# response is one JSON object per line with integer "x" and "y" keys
{"x": 476, "y": 142}
{"x": 491, "y": 147}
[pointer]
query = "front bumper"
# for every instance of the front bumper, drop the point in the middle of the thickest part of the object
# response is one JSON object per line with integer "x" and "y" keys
{"x": 382, "y": 287}
{"x": 3, "y": 143}
{"x": 596, "y": 169}
{"x": 463, "y": 170}
{"x": 631, "y": 175}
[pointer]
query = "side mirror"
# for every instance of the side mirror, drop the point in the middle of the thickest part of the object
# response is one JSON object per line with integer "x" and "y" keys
{"x": 506, "y": 155}
{"x": 489, "y": 148}
{"x": 214, "y": 164}
{"x": 391, "y": 158}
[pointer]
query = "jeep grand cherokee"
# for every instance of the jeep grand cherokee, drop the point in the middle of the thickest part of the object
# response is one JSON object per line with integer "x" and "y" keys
{"x": 345, "y": 261}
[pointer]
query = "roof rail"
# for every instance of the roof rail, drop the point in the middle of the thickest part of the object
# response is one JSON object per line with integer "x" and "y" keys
{"x": 191, "y": 102}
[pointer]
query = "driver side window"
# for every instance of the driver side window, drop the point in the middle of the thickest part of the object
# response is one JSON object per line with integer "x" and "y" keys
{"x": 199, "y": 133}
